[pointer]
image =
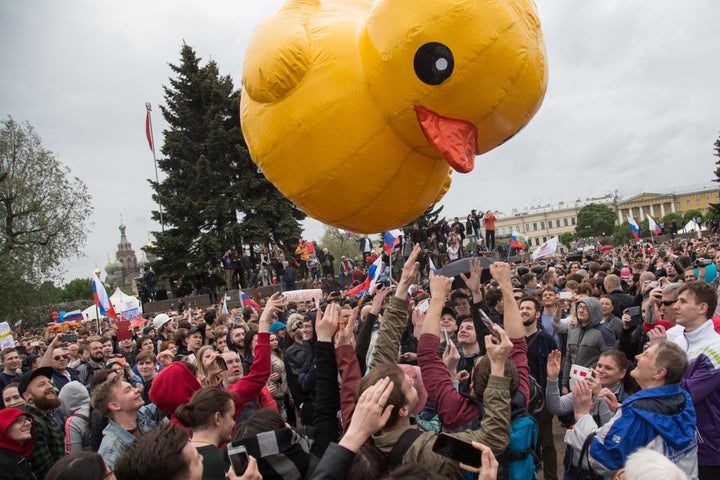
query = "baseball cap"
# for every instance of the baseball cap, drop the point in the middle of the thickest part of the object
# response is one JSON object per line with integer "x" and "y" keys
{"x": 28, "y": 377}
{"x": 625, "y": 273}
{"x": 160, "y": 320}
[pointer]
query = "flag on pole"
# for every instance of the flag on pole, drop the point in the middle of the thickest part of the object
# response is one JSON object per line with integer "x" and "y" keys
{"x": 546, "y": 248}
{"x": 247, "y": 301}
{"x": 102, "y": 301}
{"x": 518, "y": 240}
{"x": 634, "y": 229}
{"x": 372, "y": 276}
{"x": 654, "y": 227}
{"x": 148, "y": 129}
{"x": 431, "y": 265}
{"x": 223, "y": 305}
{"x": 74, "y": 316}
{"x": 391, "y": 239}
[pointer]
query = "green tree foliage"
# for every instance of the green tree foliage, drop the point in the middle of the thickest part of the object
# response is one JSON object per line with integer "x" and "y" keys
{"x": 667, "y": 220}
{"x": 691, "y": 215}
{"x": 213, "y": 196}
{"x": 43, "y": 215}
{"x": 429, "y": 216}
{"x": 623, "y": 235}
{"x": 567, "y": 239}
{"x": 595, "y": 220}
{"x": 77, "y": 289}
{"x": 339, "y": 244}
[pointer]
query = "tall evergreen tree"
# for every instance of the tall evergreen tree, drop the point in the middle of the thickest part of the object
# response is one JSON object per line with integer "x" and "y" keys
{"x": 213, "y": 197}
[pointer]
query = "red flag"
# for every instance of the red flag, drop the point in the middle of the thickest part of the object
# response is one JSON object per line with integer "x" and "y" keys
{"x": 148, "y": 131}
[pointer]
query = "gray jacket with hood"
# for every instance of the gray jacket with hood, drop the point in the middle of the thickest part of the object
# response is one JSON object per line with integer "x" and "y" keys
{"x": 586, "y": 343}
{"x": 76, "y": 405}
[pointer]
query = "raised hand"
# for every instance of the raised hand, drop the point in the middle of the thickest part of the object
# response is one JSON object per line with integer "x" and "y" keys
{"x": 582, "y": 399}
{"x": 326, "y": 324}
{"x": 553, "y": 365}
{"x": 610, "y": 399}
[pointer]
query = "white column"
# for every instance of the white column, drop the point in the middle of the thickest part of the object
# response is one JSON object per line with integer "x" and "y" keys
{"x": 652, "y": 211}
{"x": 662, "y": 209}
{"x": 620, "y": 216}
{"x": 642, "y": 214}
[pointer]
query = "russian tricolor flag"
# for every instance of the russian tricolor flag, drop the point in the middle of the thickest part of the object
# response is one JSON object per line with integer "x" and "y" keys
{"x": 102, "y": 301}
{"x": 654, "y": 227}
{"x": 634, "y": 228}
{"x": 247, "y": 301}
{"x": 372, "y": 276}
{"x": 518, "y": 240}
{"x": 391, "y": 239}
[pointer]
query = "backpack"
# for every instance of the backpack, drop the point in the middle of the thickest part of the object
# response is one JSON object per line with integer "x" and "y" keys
{"x": 537, "y": 397}
{"x": 395, "y": 457}
{"x": 518, "y": 461}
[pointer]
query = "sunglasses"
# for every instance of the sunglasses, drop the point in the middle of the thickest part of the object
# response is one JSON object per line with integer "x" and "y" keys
{"x": 58, "y": 357}
{"x": 668, "y": 303}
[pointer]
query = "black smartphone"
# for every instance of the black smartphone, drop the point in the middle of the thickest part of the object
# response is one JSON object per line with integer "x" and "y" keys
{"x": 488, "y": 323}
{"x": 220, "y": 362}
{"x": 69, "y": 337}
{"x": 238, "y": 458}
{"x": 459, "y": 450}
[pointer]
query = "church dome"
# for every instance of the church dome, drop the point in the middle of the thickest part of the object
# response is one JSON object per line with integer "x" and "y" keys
{"x": 113, "y": 266}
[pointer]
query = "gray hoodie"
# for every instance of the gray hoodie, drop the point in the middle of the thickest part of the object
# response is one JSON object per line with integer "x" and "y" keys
{"x": 586, "y": 343}
{"x": 76, "y": 405}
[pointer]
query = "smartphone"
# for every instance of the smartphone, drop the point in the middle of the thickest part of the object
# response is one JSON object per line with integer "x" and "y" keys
{"x": 69, "y": 338}
{"x": 220, "y": 362}
{"x": 632, "y": 311}
{"x": 566, "y": 295}
{"x": 447, "y": 337}
{"x": 238, "y": 458}
{"x": 459, "y": 450}
{"x": 488, "y": 323}
{"x": 424, "y": 305}
{"x": 191, "y": 359}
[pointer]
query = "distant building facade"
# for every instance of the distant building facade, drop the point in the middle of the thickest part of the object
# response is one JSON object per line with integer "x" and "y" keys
{"x": 542, "y": 222}
{"x": 124, "y": 271}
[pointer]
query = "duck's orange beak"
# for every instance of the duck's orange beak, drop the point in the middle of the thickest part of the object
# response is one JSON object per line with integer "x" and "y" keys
{"x": 456, "y": 140}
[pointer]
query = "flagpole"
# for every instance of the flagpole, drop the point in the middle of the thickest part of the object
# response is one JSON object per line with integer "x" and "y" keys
{"x": 151, "y": 138}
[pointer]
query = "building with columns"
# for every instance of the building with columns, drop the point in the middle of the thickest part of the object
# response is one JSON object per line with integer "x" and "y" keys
{"x": 657, "y": 205}
{"x": 542, "y": 222}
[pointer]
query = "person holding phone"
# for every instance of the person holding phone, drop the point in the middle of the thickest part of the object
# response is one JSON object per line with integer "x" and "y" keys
{"x": 494, "y": 429}
{"x": 209, "y": 416}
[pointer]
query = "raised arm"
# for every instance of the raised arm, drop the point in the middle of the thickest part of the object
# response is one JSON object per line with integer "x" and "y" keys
{"x": 395, "y": 318}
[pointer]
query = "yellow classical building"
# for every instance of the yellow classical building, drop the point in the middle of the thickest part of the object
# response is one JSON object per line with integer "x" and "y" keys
{"x": 542, "y": 222}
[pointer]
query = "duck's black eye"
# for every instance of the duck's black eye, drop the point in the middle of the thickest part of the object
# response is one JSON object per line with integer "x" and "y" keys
{"x": 433, "y": 63}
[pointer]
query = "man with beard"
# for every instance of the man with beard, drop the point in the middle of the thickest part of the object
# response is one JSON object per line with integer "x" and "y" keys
{"x": 539, "y": 346}
{"x": 96, "y": 362}
{"x": 37, "y": 390}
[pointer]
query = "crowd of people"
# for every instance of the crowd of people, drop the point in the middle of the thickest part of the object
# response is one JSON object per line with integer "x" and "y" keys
{"x": 420, "y": 376}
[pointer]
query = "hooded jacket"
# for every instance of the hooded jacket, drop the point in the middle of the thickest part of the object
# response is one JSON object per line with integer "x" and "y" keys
{"x": 13, "y": 455}
{"x": 76, "y": 407}
{"x": 660, "y": 418}
{"x": 585, "y": 343}
{"x": 173, "y": 386}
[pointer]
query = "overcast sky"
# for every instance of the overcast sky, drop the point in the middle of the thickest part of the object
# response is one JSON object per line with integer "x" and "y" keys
{"x": 632, "y": 105}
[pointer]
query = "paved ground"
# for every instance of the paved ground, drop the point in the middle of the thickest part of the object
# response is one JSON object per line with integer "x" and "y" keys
{"x": 558, "y": 435}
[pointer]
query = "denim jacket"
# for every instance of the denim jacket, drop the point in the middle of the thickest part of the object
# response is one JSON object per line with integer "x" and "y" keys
{"x": 116, "y": 439}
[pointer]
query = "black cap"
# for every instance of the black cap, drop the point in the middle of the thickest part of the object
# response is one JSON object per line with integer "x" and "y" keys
{"x": 148, "y": 329}
{"x": 28, "y": 377}
{"x": 449, "y": 310}
{"x": 197, "y": 328}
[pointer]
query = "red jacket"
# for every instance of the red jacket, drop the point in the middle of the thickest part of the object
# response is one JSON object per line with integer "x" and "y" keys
{"x": 249, "y": 387}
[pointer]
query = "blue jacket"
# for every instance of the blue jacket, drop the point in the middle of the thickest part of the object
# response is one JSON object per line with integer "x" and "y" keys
{"x": 661, "y": 418}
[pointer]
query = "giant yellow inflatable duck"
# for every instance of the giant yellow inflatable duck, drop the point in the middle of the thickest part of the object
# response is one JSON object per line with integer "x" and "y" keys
{"x": 358, "y": 110}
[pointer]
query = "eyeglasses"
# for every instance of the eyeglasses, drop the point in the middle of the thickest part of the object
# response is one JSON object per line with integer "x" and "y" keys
{"x": 582, "y": 306}
{"x": 58, "y": 357}
{"x": 669, "y": 303}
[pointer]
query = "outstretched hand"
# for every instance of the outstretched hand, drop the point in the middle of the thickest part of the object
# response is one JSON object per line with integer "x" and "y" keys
{"x": 553, "y": 365}
{"x": 326, "y": 324}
